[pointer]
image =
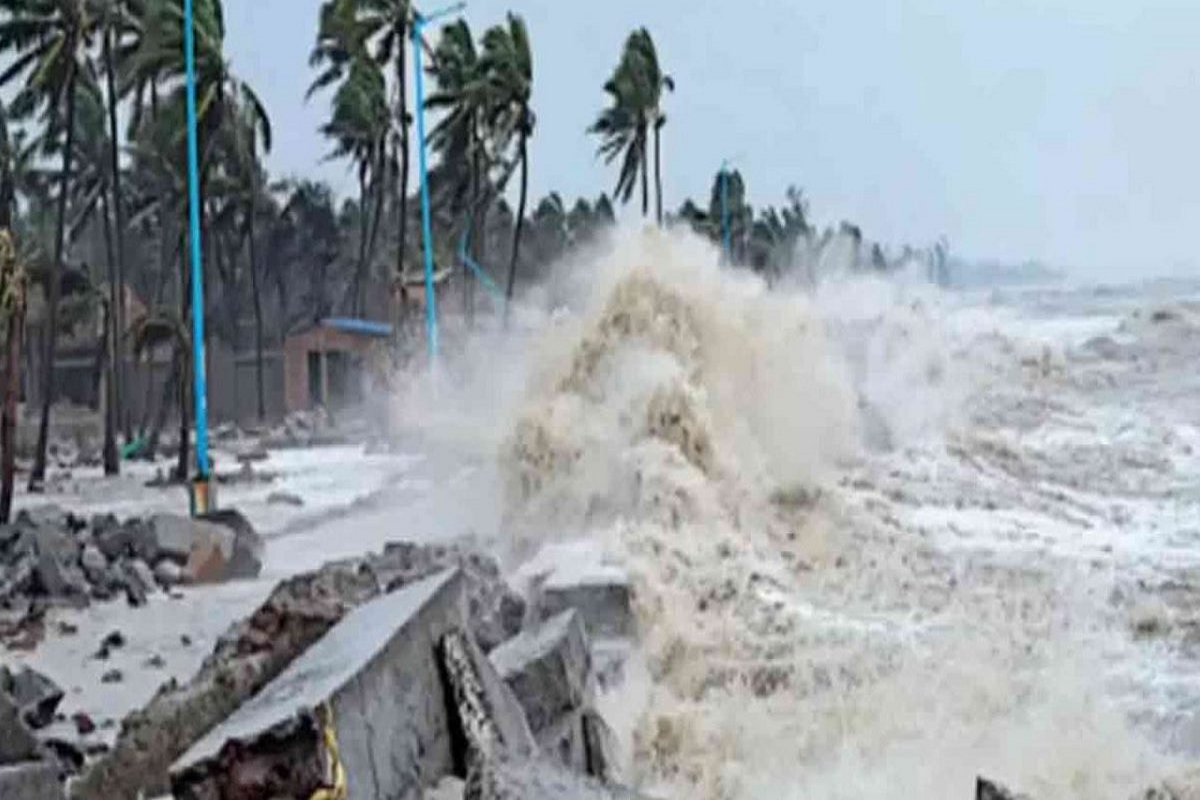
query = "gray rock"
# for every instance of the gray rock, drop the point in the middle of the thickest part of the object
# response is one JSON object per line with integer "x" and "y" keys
{"x": 285, "y": 499}
{"x": 34, "y": 694}
{"x": 990, "y": 790}
{"x": 55, "y": 578}
{"x": 175, "y": 536}
{"x": 32, "y": 780}
{"x": 114, "y": 541}
{"x": 564, "y": 742}
{"x": 17, "y": 580}
{"x": 523, "y": 779}
{"x": 16, "y": 742}
{"x": 548, "y": 668}
{"x": 95, "y": 565}
{"x": 246, "y": 559}
{"x": 137, "y": 579}
{"x": 168, "y": 573}
{"x": 601, "y": 747}
{"x": 603, "y": 597}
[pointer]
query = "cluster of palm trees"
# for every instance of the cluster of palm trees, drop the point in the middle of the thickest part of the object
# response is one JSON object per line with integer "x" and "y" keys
{"x": 93, "y": 154}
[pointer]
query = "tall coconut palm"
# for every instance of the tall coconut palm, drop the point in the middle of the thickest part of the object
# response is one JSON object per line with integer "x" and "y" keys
{"x": 635, "y": 96}
{"x": 12, "y": 310}
{"x": 48, "y": 42}
{"x": 506, "y": 65}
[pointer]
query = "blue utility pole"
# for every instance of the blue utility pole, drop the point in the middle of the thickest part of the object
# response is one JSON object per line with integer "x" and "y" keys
{"x": 418, "y": 27}
{"x": 200, "y": 497}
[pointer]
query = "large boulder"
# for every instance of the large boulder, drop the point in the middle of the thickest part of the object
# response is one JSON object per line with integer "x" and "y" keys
{"x": 176, "y": 537}
{"x": 16, "y": 742}
{"x": 217, "y": 547}
{"x": 33, "y": 693}
{"x": 245, "y": 560}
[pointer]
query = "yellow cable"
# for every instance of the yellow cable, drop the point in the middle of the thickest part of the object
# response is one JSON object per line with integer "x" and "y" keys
{"x": 337, "y": 790}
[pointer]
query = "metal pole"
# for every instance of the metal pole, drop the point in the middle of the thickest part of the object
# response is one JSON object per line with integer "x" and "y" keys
{"x": 199, "y": 389}
{"x": 431, "y": 323}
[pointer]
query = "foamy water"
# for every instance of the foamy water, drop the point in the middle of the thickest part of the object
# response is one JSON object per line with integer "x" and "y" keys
{"x": 883, "y": 539}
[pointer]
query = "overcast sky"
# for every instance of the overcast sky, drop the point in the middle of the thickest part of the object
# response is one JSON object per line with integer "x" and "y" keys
{"x": 1060, "y": 130}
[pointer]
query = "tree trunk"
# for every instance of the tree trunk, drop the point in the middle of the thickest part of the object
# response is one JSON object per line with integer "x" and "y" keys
{"x": 658, "y": 175}
{"x": 398, "y": 296}
{"x": 258, "y": 321}
{"x": 373, "y": 236}
{"x": 106, "y": 362}
{"x": 164, "y": 406}
{"x": 118, "y": 290}
{"x": 37, "y": 478}
{"x": 516, "y": 248}
{"x": 645, "y": 178}
{"x": 8, "y": 425}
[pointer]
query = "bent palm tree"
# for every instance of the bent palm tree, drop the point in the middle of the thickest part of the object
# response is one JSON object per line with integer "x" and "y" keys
{"x": 47, "y": 41}
{"x": 507, "y": 69}
{"x": 635, "y": 95}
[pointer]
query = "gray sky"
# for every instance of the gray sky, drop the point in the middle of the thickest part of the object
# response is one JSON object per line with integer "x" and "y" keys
{"x": 1062, "y": 130}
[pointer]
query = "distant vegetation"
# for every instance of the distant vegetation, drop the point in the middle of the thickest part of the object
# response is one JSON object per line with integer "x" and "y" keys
{"x": 94, "y": 188}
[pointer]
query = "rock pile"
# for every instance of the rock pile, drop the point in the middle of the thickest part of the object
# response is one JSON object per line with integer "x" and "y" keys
{"x": 51, "y": 557}
{"x": 28, "y": 769}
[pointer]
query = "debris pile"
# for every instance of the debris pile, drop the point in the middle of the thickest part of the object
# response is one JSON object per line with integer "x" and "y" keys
{"x": 28, "y": 769}
{"x": 49, "y": 557}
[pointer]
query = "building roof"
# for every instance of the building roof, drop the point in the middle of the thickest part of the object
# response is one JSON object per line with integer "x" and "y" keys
{"x": 362, "y": 327}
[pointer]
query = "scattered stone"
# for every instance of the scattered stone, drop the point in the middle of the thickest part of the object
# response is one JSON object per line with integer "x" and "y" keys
{"x": 83, "y": 723}
{"x": 284, "y": 499}
{"x": 16, "y": 742}
{"x": 112, "y": 676}
{"x": 374, "y": 677}
{"x": 156, "y": 662}
{"x": 95, "y": 565}
{"x": 549, "y": 669}
{"x": 603, "y": 596}
{"x": 185, "y": 640}
{"x": 114, "y": 641}
{"x": 67, "y": 628}
{"x": 32, "y": 780}
{"x": 95, "y": 749}
{"x": 36, "y": 695}
{"x": 989, "y": 790}
{"x": 168, "y": 573}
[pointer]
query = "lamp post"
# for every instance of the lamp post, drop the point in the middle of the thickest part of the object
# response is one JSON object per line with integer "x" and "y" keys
{"x": 201, "y": 499}
{"x": 418, "y": 26}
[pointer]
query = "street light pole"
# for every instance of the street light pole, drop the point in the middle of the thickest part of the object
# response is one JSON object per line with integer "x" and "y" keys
{"x": 200, "y": 486}
{"x": 418, "y": 27}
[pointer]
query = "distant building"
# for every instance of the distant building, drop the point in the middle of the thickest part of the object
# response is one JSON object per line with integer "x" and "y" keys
{"x": 326, "y": 365}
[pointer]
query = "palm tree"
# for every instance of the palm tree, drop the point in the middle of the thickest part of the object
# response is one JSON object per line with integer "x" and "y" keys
{"x": 47, "y": 41}
{"x": 13, "y": 283}
{"x": 507, "y": 69}
{"x": 635, "y": 94}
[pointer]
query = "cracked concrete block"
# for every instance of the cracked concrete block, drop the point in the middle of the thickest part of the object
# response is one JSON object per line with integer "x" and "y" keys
{"x": 484, "y": 714}
{"x": 548, "y": 668}
{"x": 523, "y": 779}
{"x": 603, "y": 596}
{"x": 372, "y": 689}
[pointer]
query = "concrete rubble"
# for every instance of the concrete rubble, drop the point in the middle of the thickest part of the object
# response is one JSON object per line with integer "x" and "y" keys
{"x": 49, "y": 557}
{"x": 371, "y": 688}
{"x": 255, "y": 651}
{"x": 28, "y": 769}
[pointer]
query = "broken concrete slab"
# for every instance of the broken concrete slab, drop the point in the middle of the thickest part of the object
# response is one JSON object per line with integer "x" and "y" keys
{"x": 484, "y": 712}
{"x": 564, "y": 742}
{"x": 603, "y": 596}
{"x": 31, "y": 780}
{"x": 600, "y": 745}
{"x": 524, "y": 779}
{"x": 548, "y": 668}
{"x": 254, "y": 651}
{"x": 16, "y": 742}
{"x": 373, "y": 682}
{"x": 34, "y": 694}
